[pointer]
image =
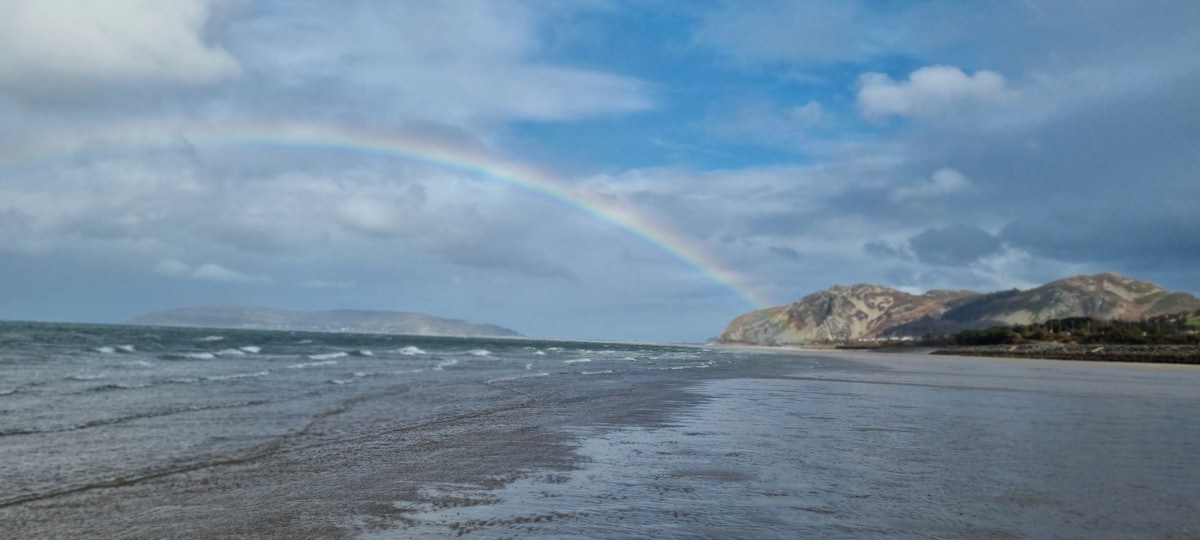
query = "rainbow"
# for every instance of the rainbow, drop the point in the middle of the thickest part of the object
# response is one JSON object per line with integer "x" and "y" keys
{"x": 412, "y": 147}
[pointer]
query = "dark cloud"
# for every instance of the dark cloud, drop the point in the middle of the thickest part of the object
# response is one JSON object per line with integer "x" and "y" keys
{"x": 880, "y": 248}
{"x": 1142, "y": 239}
{"x": 955, "y": 245}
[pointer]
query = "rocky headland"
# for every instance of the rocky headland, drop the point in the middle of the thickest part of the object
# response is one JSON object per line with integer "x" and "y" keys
{"x": 867, "y": 312}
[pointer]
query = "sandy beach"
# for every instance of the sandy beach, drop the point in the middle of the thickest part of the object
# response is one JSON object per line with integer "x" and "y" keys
{"x": 526, "y": 439}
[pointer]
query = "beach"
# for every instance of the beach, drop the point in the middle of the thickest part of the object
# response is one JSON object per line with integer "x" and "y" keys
{"x": 494, "y": 439}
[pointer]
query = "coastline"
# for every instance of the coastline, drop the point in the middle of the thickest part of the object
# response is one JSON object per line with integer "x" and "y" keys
{"x": 1179, "y": 355}
{"x": 1136, "y": 354}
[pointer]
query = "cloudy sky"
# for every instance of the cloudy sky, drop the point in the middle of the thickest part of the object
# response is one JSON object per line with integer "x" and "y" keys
{"x": 789, "y": 145}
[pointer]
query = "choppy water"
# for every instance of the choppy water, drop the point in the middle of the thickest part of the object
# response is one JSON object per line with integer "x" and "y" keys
{"x": 139, "y": 432}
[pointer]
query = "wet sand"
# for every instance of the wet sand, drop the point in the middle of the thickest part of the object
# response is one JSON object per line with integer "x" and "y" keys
{"x": 779, "y": 445}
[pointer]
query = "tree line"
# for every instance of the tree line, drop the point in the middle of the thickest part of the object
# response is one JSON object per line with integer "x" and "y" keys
{"x": 1174, "y": 329}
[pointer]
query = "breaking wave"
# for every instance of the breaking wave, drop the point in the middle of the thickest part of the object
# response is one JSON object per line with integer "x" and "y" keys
{"x": 303, "y": 365}
{"x": 237, "y": 376}
{"x": 410, "y": 351}
{"x": 116, "y": 349}
{"x": 189, "y": 356}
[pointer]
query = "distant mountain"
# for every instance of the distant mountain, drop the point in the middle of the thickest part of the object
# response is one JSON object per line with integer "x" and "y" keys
{"x": 867, "y": 311}
{"x": 341, "y": 320}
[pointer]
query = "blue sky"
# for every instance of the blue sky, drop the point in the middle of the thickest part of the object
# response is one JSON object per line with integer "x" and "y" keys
{"x": 920, "y": 145}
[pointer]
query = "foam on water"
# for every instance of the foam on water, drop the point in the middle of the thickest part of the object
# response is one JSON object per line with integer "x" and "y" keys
{"x": 445, "y": 364}
{"x": 189, "y": 356}
{"x": 700, "y": 365}
{"x": 86, "y": 376}
{"x": 479, "y": 352}
{"x": 232, "y": 376}
{"x": 361, "y": 352}
{"x": 231, "y": 352}
{"x": 601, "y": 372}
{"x": 327, "y": 356}
{"x": 252, "y": 349}
{"x": 410, "y": 351}
{"x": 116, "y": 349}
{"x": 577, "y": 360}
{"x": 211, "y": 338}
{"x": 303, "y": 365}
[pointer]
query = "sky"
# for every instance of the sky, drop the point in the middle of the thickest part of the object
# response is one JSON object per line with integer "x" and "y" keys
{"x": 597, "y": 169}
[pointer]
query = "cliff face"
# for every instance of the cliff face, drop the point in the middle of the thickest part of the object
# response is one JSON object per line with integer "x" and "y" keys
{"x": 867, "y": 311}
{"x": 838, "y": 314}
{"x": 382, "y": 322}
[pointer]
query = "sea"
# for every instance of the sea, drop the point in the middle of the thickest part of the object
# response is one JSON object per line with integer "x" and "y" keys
{"x": 110, "y": 431}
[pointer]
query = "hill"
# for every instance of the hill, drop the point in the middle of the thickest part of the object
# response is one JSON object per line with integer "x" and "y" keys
{"x": 381, "y": 322}
{"x": 866, "y": 311}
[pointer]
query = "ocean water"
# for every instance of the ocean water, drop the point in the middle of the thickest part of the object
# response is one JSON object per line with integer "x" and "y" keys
{"x": 145, "y": 432}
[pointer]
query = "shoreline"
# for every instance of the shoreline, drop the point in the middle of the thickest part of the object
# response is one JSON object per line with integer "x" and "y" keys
{"x": 1185, "y": 355}
{"x": 1130, "y": 354}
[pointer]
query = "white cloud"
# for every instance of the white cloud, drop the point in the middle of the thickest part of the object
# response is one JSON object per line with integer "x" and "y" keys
{"x": 463, "y": 63}
{"x": 216, "y": 272}
{"x": 59, "y": 44}
{"x": 205, "y": 272}
{"x": 943, "y": 181}
{"x": 931, "y": 91}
